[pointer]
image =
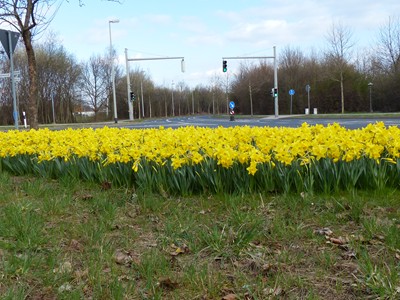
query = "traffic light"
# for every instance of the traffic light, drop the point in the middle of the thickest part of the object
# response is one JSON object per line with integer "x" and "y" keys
{"x": 133, "y": 96}
{"x": 224, "y": 66}
{"x": 275, "y": 92}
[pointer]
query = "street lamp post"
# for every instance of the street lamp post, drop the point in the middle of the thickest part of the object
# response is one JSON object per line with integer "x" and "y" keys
{"x": 113, "y": 71}
{"x": 172, "y": 99}
{"x": 370, "y": 96}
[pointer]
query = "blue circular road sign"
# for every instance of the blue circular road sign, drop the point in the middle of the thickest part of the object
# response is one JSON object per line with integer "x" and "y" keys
{"x": 231, "y": 105}
{"x": 291, "y": 92}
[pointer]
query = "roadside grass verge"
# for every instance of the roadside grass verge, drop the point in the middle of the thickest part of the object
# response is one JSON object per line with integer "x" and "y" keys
{"x": 66, "y": 239}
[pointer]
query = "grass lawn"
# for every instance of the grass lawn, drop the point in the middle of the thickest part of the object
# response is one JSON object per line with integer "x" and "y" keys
{"x": 74, "y": 240}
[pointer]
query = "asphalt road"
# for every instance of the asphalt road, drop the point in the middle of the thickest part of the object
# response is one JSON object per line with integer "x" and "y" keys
{"x": 348, "y": 121}
{"x": 282, "y": 121}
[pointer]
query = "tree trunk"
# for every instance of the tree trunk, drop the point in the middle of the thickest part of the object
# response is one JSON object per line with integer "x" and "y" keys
{"x": 33, "y": 88}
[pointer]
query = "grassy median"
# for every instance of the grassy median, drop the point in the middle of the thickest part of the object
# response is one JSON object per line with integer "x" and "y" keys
{"x": 71, "y": 240}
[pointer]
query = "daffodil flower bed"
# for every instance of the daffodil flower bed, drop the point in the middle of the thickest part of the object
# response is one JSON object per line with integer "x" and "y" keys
{"x": 196, "y": 160}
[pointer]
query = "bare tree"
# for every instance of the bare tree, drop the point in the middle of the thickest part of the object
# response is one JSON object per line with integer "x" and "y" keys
{"x": 340, "y": 41}
{"x": 94, "y": 82}
{"x": 29, "y": 17}
{"x": 58, "y": 74}
{"x": 388, "y": 62}
{"x": 291, "y": 64}
{"x": 389, "y": 45}
{"x": 255, "y": 80}
{"x": 292, "y": 60}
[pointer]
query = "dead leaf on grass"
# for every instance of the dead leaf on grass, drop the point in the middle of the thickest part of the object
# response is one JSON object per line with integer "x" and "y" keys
{"x": 336, "y": 241}
{"x": 75, "y": 245}
{"x": 374, "y": 242}
{"x": 230, "y": 297}
{"x": 344, "y": 247}
{"x": 122, "y": 257}
{"x": 269, "y": 269}
{"x": 347, "y": 206}
{"x": 323, "y": 231}
{"x": 349, "y": 255}
{"x": 379, "y": 237}
{"x": 359, "y": 238}
{"x": 247, "y": 296}
{"x": 125, "y": 278}
{"x": 277, "y": 291}
{"x": 167, "y": 284}
{"x": 84, "y": 197}
{"x": 65, "y": 267}
{"x": 256, "y": 243}
{"x": 105, "y": 185}
{"x": 347, "y": 266}
{"x": 66, "y": 287}
{"x": 179, "y": 250}
{"x": 79, "y": 274}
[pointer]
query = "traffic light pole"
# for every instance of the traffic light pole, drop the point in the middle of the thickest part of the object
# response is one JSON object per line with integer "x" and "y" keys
{"x": 128, "y": 85}
{"x": 127, "y": 60}
{"x": 276, "y": 103}
{"x": 275, "y": 73}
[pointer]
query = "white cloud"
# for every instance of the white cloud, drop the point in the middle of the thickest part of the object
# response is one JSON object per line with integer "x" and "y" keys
{"x": 193, "y": 24}
{"x": 206, "y": 30}
{"x": 249, "y": 32}
{"x": 159, "y": 19}
{"x": 205, "y": 40}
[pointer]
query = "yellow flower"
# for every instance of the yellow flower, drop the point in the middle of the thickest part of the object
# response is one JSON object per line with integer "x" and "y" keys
{"x": 252, "y": 169}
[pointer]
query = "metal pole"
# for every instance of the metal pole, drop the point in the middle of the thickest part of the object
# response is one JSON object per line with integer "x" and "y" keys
{"x": 370, "y": 96}
{"x": 226, "y": 93}
{"x": 114, "y": 97}
{"x": 291, "y": 103}
{"x": 192, "y": 103}
{"x": 14, "y": 94}
{"x": 213, "y": 100}
{"x": 128, "y": 86}
{"x": 276, "y": 83}
{"x": 111, "y": 62}
{"x": 113, "y": 72}
{"x": 165, "y": 106}
{"x": 52, "y": 107}
{"x": 251, "y": 100}
{"x": 149, "y": 106}
{"x": 172, "y": 96}
{"x": 141, "y": 92}
{"x": 160, "y": 58}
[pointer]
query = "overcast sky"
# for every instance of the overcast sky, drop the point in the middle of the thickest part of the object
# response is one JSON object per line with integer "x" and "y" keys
{"x": 204, "y": 31}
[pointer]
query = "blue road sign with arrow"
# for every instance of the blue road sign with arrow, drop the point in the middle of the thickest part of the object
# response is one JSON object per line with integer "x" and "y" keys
{"x": 231, "y": 105}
